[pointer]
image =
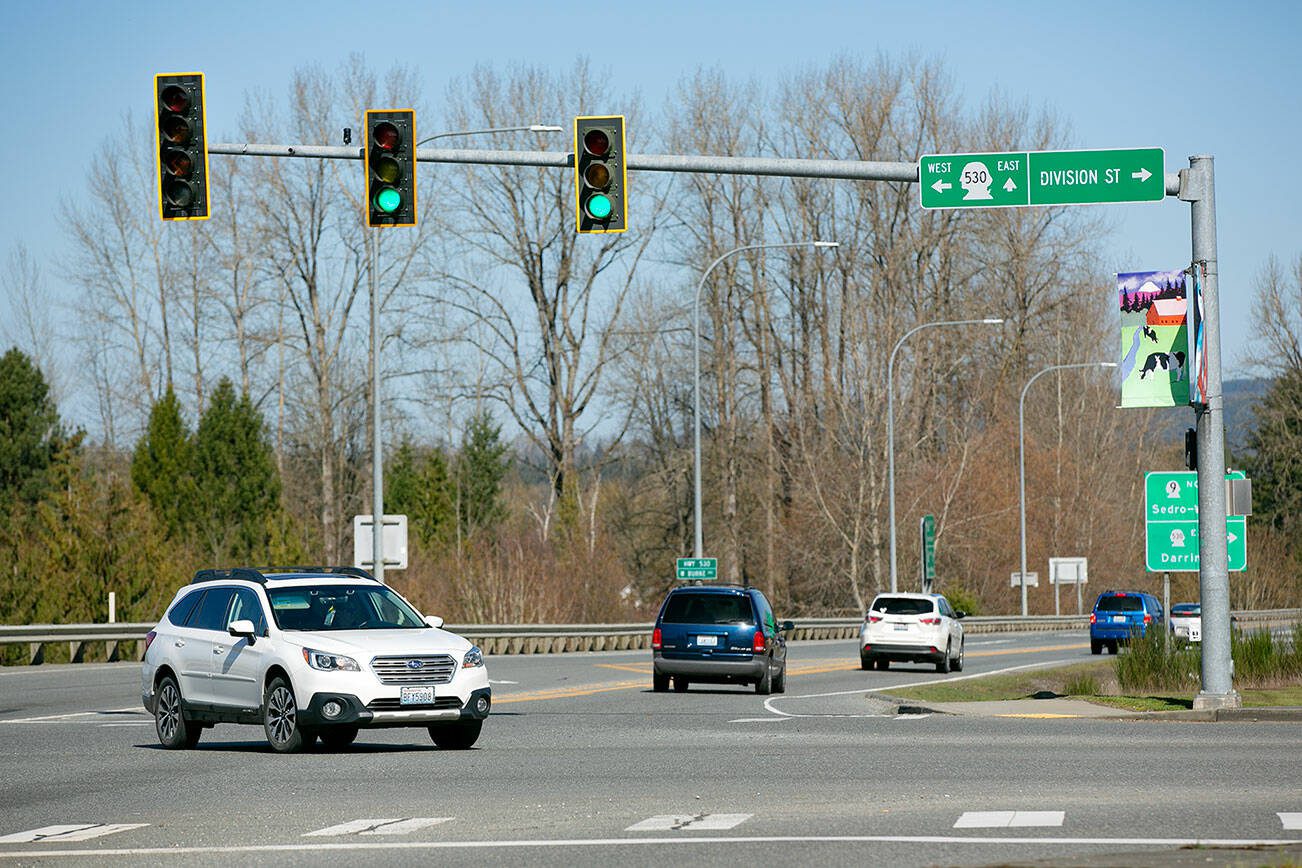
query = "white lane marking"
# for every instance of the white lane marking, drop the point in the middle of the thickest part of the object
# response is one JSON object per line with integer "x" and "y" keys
{"x": 994, "y": 642}
{"x": 390, "y": 826}
{"x": 320, "y": 846}
{"x": 73, "y": 715}
{"x": 673, "y": 822}
{"x": 1008, "y": 819}
{"x": 759, "y": 720}
{"x": 1290, "y": 820}
{"x": 69, "y": 832}
{"x": 769, "y": 707}
{"x": 495, "y": 681}
{"x": 911, "y": 716}
{"x": 146, "y": 723}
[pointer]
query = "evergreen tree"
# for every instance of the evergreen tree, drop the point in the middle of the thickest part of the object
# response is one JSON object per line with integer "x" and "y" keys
{"x": 235, "y": 475}
{"x": 481, "y": 467}
{"x": 30, "y": 432}
{"x": 418, "y": 486}
{"x": 163, "y": 464}
{"x": 1274, "y": 458}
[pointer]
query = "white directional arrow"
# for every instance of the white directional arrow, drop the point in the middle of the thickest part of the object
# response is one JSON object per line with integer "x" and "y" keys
{"x": 1142, "y": 174}
{"x": 1009, "y": 185}
{"x": 942, "y": 186}
{"x": 1229, "y": 537}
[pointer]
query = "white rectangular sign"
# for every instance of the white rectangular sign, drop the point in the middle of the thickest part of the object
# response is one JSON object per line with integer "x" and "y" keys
{"x": 1069, "y": 571}
{"x": 1032, "y": 580}
{"x": 394, "y": 542}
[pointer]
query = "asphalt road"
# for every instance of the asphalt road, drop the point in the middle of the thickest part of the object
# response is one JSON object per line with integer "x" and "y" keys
{"x": 581, "y": 764}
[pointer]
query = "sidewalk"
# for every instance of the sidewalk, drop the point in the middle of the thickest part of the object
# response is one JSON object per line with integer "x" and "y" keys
{"x": 1079, "y": 708}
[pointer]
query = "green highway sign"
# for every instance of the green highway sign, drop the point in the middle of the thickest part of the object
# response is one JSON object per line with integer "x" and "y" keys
{"x": 1171, "y": 524}
{"x": 704, "y": 569}
{"x": 1020, "y": 178}
{"x": 928, "y": 529}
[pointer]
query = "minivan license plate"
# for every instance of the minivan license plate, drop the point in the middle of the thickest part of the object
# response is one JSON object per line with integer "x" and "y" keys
{"x": 711, "y": 641}
{"x": 416, "y": 696}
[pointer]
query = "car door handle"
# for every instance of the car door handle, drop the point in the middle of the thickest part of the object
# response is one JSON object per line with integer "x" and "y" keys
{"x": 219, "y": 650}
{"x": 179, "y": 643}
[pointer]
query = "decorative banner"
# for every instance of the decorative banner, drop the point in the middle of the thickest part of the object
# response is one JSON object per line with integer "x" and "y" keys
{"x": 1197, "y": 344}
{"x": 1154, "y": 342}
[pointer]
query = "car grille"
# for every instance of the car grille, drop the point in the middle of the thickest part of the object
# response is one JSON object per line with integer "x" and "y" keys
{"x": 434, "y": 669}
{"x": 448, "y": 702}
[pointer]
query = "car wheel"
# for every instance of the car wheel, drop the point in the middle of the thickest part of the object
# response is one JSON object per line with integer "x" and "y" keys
{"x": 1114, "y": 646}
{"x": 780, "y": 681}
{"x": 865, "y": 662}
{"x": 338, "y": 737}
{"x": 174, "y": 731}
{"x": 659, "y": 683}
{"x": 1096, "y": 647}
{"x": 883, "y": 664}
{"x": 958, "y": 661}
{"x": 680, "y": 684}
{"x": 456, "y": 736}
{"x": 764, "y": 686}
{"x": 942, "y": 665}
{"x": 280, "y": 718}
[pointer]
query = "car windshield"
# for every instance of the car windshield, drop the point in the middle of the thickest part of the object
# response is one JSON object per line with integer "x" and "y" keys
{"x": 1120, "y": 604}
{"x": 708, "y": 609}
{"x": 341, "y": 607}
{"x": 903, "y": 606}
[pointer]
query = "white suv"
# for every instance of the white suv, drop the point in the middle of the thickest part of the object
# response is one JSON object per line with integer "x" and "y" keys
{"x": 308, "y": 652}
{"x": 912, "y": 628}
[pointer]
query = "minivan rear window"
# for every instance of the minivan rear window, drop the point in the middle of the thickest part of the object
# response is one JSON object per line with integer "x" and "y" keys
{"x": 903, "y": 606}
{"x": 1120, "y": 604}
{"x": 708, "y": 609}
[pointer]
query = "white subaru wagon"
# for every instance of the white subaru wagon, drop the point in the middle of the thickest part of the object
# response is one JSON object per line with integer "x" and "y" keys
{"x": 308, "y": 653}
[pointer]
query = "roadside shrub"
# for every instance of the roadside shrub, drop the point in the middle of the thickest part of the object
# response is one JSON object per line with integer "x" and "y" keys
{"x": 962, "y": 599}
{"x": 1158, "y": 662}
{"x": 1084, "y": 684}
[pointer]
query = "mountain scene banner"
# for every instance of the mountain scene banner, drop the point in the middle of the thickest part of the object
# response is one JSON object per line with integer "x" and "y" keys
{"x": 1154, "y": 342}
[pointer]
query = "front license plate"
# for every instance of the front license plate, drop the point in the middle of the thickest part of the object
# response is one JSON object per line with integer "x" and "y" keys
{"x": 901, "y": 628}
{"x": 711, "y": 641}
{"x": 416, "y": 696}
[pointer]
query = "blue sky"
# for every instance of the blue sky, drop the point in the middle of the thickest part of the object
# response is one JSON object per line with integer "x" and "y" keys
{"x": 1191, "y": 77}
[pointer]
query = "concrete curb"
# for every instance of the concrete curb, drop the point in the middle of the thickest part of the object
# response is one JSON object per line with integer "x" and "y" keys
{"x": 1063, "y": 708}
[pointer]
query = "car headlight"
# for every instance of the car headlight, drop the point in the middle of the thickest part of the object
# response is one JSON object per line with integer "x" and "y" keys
{"x": 330, "y": 662}
{"x": 474, "y": 657}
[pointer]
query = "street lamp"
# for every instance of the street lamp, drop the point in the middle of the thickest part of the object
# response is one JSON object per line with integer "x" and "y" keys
{"x": 890, "y": 417}
{"x": 1021, "y": 459}
{"x": 699, "y": 546}
{"x": 377, "y": 444}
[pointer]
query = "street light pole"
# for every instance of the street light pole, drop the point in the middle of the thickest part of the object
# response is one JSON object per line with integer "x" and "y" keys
{"x": 698, "y": 549}
{"x": 890, "y": 418}
{"x": 1021, "y": 458}
{"x": 531, "y": 128}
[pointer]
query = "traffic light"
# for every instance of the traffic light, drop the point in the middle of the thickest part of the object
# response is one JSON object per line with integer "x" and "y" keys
{"x": 600, "y": 177}
{"x": 181, "y": 145}
{"x": 391, "y": 167}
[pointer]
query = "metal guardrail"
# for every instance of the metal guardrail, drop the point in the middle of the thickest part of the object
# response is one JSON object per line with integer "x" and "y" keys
{"x": 565, "y": 638}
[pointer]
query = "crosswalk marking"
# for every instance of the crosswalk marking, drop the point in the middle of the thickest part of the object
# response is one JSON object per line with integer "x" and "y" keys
{"x": 1008, "y": 819}
{"x": 390, "y": 826}
{"x": 1290, "y": 820}
{"x": 695, "y": 822}
{"x": 69, "y": 832}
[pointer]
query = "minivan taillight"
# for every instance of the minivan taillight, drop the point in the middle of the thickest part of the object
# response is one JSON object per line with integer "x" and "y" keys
{"x": 149, "y": 639}
{"x": 655, "y": 639}
{"x": 758, "y": 646}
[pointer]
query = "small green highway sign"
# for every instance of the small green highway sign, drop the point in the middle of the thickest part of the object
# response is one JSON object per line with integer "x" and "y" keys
{"x": 1171, "y": 524}
{"x": 1021, "y": 178}
{"x": 705, "y": 569}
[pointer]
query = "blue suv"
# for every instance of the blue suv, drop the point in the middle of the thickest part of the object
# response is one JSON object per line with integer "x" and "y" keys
{"x": 1118, "y": 615}
{"x": 718, "y": 635}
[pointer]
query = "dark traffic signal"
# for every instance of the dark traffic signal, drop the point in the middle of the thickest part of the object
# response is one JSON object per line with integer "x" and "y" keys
{"x": 600, "y": 176}
{"x": 391, "y": 168}
{"x": 181, "y": 145}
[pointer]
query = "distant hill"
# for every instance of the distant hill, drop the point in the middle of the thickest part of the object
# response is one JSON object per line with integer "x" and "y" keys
{"x": 1241, "y": 397}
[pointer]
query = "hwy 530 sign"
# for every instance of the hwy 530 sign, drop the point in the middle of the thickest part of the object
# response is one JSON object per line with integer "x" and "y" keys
{"x": 1022, "y": 178}
{"x": 1171, "y": 524}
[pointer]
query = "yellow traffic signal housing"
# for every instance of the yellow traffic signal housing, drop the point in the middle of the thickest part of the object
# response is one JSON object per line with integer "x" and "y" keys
{"x": 181, "y": 146}
{"x": 600, "y": 175}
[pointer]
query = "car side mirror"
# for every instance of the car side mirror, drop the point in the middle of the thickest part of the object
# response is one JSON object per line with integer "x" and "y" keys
{"x": 788, "y": 626}
{"x": 243, "y": 628}
{"x": 434, "y": 621}
{"x": 959, "y": 614}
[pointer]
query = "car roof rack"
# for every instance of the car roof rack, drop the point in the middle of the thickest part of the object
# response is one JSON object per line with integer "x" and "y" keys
{"x": 262, "y": 574}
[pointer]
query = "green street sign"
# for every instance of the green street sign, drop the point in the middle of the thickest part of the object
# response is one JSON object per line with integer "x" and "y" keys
{"x": 1171, "y": 524}
{"x": 1020, "y": 178}
{"x": 694, "y": 569}
{"x": 928, "y": 528}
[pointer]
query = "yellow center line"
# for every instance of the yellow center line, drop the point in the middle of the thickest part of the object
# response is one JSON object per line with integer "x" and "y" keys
{"x": 641, "y": 668}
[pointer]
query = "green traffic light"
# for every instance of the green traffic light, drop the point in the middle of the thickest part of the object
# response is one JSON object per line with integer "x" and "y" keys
{"x": 599, "y": 207}
{"x": 388, "y": 200}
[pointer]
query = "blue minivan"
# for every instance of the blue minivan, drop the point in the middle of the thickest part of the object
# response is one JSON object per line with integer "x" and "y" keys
{"x": 718, "y": 635}
{"x": 1118, "y": 615}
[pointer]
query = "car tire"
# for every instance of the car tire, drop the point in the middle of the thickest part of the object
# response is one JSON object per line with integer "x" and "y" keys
{"x": 174, "y": 731}
{"x": 958, "y": 661}
{"x": 680, "y": 684}
{"x": 764, "y": 684}
{"x": 280, "y": 718}
{"x": 1113, "y": 647}
{"x": 942, "y": 665}
{"x": 1096, "y": 647}
{"x": 780, "y": 682}
{"x": 456, "y": 736}
{"x": 338, "y": 737}
{"x": 659, "y": 683}
{"x": 865, "y": 662}
{"x": 883, "y": 664}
